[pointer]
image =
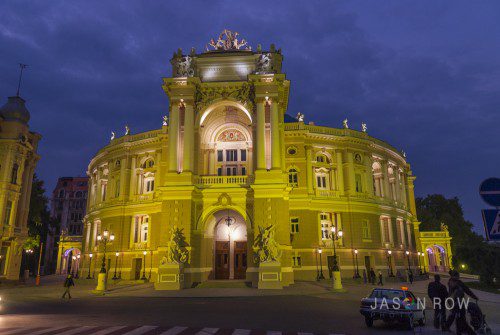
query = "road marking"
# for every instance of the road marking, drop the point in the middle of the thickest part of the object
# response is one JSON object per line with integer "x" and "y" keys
{"x": 46, "y": 330}
{"x": 108, "y": 330}
{"x": 140, "y": 330}
{"x": 242, "y": 332}
{"x": 76, "y": 330}
{"x": 174, "y": 331}
{"x": 299, "y": 333}
{"x": 15, "y": 331}
{"x": 273, "y": 333}
{"x": 207, "y": 331}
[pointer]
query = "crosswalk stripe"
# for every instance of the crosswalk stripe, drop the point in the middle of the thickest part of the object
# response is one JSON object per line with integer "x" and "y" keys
{"x": 108, "y": 330}
{"x": 140, "y": 330}
{"x": 14, "y": 331}
{"x": 174, "y": 331}
{"x": 76, "y": 330}
{"x": 299, "y": 333}
{"x": 46, "y": 330}
{"x": 207, "y": 331}
{"x": 242, "y": 332}
{"x": 273, "y": 333}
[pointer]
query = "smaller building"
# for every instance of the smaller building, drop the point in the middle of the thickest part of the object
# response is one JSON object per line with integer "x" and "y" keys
{"x": 68, "y": 208}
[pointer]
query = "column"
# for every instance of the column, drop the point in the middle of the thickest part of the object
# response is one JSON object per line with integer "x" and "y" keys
{"x": 211, "y": 161}
{"x": 275, "y": 137}
{"x": 309, "y": 171}
{"x": 386, "y": 190}
{"x": 133, "y": 184}
{"x": 173, "y": 139}
{"x": 187, "y": 162}
{"x": 369, "y": 176}
{"x": 411, "y": 194}
{"x": 350, "y": 175}
{"x": 340, "y": 173}
{"x": 261, "y": 142}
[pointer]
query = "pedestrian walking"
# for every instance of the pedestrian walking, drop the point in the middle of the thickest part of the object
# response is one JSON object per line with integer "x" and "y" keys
{"x": 380, "y": 278}
{"x": 372, "y": 276}
{"x": 410, "y": 276}
{"x": 67, "y": 286}
{"x": 438, "y": 294}
{"x": 364, "y": 276}
{"x": 457, "y": 290}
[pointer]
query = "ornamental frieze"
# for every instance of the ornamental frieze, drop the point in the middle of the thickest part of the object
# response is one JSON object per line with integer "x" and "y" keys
{"x": 206, "y": 95}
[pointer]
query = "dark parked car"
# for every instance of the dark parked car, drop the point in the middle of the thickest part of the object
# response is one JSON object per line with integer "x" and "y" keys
{"x": 391, "y": 306}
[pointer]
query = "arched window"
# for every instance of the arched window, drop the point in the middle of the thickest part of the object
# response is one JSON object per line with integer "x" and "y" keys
{"x": 13, "y": 178}
{"x": 148, "y": 164}
{"x": 322, "y": 159}
{"x": 293, "y": 177}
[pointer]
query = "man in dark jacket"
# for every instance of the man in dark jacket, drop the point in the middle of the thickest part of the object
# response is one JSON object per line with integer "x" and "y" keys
{"x": 67, "y": 285}
{"x": 457, "y": 290}
{"x": 372, "y": 276}
{"x": 438, "y": 293}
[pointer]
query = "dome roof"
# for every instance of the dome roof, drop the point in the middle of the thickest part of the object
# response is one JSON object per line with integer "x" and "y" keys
{"x": 15, "y": 110}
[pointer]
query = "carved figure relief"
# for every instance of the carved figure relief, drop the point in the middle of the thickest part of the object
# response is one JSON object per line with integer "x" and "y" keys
{"x": 232, "y": 135}
{"x": 228, "y": 40}
{"x": 206, "y": 95}
{"x": 177, "y": 252}
{"x": 265, "y": 64}
{"x": 182, "y": 66}
{"x": 265, "y": 246}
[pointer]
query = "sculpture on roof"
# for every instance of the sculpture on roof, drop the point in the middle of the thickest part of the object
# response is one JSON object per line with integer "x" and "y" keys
{"x": 127, "y": 130}
{"x": 228, "y": 40}
{"x": 344, "y": 124}
{"x": 300, "y": 117}
{"x": 364, "y": 128}
{"x": 112, "y": 135}
{"x": 165, "y": 120}
{"x": 265, "y": 64}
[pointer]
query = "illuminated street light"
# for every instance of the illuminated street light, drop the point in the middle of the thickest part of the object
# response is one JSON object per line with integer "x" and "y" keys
{"x": 90, "y": 265}
{"x": 320, "y": 274}
{"x": 105, "y": 238}
{"x": 144, "y": 253}
{"x": 337, "y": 281}
{"x": 389, "y": 263}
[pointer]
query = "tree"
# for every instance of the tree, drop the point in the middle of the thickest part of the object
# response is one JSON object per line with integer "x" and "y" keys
{"x": 467, "y": 246}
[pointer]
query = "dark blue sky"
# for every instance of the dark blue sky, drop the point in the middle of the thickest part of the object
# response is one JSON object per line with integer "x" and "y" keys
{"x": 424, "y": 75}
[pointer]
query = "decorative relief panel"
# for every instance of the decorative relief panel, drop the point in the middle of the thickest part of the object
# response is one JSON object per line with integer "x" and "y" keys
{"x": 205, "y": 95}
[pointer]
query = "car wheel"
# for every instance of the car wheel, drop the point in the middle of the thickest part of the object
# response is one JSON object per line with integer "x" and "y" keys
{"x": 368, "y": 321}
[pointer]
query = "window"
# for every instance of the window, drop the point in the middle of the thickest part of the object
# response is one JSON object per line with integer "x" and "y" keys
{"x": 359, "y": 184}
{"x": 400, "y": 232}
{"x": 365, "y": 228}
{"x": 296, "y": 261}
{"x": 219, "y": 171}
{"x": 219, "y": 156}
{"x": 148, "y": 164}
{"x": 377, "y": 179}
{"x": 293, "y": 177}
{"x": 8, "y": 210}
{"x": 117, "y": 163}
{"x": 104, "y": 188}
{"x": 243, "y": 155}
{"x": 117, "y": 188}
{"x": 61, "y": 193}
{"x": 294, "y": 225}
{"x": 386, "y": 226}
{"x": 325, "y": 221}
{"x": 321, "y": 181}
{"x": 243, "y": 171}
{"x": 141, "y": 223}
{"x": 150, "y": 185}
{"x": 292, "y": 151}
{"x": 78, "y": 194}
{"x": 231, "y": 155}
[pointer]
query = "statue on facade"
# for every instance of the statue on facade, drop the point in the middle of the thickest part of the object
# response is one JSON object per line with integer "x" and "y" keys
{"x": 265, "y": 64}
{"x": 112, "y": 135}
{"x": 444, "y": 227}
{"x": 165, "y": 120}
{"x": 364, "y": 128}
{"x": 403, "y": 153}
{"x": 177, "y": 252}
{"x": 300, "y": 117}
{"x": 228, "y": 40}
{"x": 182, "y": 66}
{"x": 265, "y": 246}
{"x": 344, "y": 124}
{"x": 127, "y": 130}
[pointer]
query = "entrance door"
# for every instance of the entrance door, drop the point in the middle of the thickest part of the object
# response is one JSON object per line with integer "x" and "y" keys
{"x": 240, "y": 260}
{"x": 137, "y": 267}
{"x": 221, "y": 260}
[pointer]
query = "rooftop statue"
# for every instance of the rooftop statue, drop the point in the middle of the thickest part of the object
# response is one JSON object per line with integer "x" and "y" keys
{"x": 344, "y": 124}
{"x": 127, "y": 130}
{"x": 112, "y": 135}
{"x": 228, "y": 40}
{"x": 300, "y": 117}
{"x": 265, "y": 246}
{"x": 364, "y": 128}
{"x": 165, "y": 120}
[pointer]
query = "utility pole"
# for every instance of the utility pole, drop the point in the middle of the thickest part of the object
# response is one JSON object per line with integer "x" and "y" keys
{"x": 37, "y": 280}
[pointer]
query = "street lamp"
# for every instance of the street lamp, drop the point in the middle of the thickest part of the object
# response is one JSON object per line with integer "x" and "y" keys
{"x": 356, "y": 272}
{"x": 408, "y": 258}
{"x": 116, "y": 264}
{"x": 418, "y": 260}
{"x": 105, "y": 238}
{"x": 144, "y": 253}
{"x": 320, "y": 274}
{"x": 389, "y": 263}
{"x": 423, "y": 263}
{"x": 90, "y": 265}
{"x": 337, "y": 281}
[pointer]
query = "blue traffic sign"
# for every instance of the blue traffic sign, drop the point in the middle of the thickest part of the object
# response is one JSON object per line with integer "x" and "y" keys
{"x": 490, "y": 191}
{"x": 491, "y": 219}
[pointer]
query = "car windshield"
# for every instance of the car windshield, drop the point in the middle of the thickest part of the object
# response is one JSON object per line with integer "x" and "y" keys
{"x": 387, "y": 294}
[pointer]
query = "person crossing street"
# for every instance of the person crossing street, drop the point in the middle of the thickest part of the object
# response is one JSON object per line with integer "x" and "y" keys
{"x": 67, "y": 286}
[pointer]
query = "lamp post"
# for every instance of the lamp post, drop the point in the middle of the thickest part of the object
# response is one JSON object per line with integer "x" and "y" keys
{"x": 317, "y": 268}
{"x": 77, "y": 265}
{"x": 337, "y": 281}
{"x": 408, "y": 258}
{"x": 389, "y": 262}
{"x": 28, "y": 252}
{"x": 116, "y": 265}
{"x": 144, "y": 253}
{"x": 320, "y": 274}
{"x": 423, "y": 263}
{"x": 356, "y": 271}
{"x": 73, "y": 265}
{"x": 90, "y": 264}
{"x": 418, "y": 260}
{"x": 105, "y": 238}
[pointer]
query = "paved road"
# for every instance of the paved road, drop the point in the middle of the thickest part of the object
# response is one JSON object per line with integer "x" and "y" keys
{"x": 307, "y": 308}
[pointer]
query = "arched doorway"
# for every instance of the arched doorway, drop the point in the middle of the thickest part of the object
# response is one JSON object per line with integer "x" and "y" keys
{"x": 71, "y": 261}
{"x": 437, "y": 258}
{"x": 230, "y": 247}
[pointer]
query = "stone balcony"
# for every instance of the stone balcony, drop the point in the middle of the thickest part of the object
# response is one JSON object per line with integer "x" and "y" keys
{"x": 207, "y": 181}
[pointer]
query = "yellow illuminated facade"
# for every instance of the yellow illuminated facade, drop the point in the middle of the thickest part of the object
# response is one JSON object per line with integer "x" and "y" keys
{"x": 239, "y": 178}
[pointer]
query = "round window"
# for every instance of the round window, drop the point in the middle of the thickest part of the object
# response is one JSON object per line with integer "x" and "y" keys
{"x": 292, "y": 150}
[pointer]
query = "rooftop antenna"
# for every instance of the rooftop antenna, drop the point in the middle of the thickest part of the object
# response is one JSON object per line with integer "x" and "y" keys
{"x": 22, "y": 67}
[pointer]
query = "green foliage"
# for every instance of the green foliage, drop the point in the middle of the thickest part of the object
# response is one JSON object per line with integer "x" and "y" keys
{"x": 468, "y": 247}
{"x": 39, "y": 216}
{"x": 32, "y": 242}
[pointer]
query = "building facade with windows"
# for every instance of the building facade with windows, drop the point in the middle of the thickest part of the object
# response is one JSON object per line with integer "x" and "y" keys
{"x": 18, "y": 159}
{"x": 68, "y": 207}
{"x": 232, "y": 163}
